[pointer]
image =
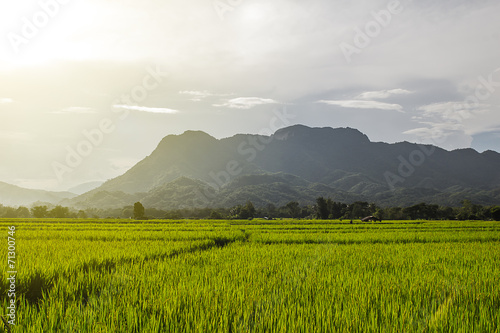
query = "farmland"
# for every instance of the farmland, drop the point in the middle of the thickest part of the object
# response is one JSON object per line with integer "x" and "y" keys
{"x": 253, "y": 276}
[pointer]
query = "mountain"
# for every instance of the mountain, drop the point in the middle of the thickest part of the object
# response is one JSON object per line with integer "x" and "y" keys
{"x": 11, "y": 195}
{"x": 300, "y": 163}
{"x": 85, "y": 187}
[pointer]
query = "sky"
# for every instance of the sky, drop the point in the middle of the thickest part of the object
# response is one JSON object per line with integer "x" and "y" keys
{"x": 89, "y": 87}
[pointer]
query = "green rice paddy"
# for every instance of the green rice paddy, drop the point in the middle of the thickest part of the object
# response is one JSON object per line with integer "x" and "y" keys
{"x": 253, "y": 276}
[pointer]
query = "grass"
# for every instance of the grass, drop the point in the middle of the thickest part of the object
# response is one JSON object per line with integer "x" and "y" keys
{"x": 255, "y": 276}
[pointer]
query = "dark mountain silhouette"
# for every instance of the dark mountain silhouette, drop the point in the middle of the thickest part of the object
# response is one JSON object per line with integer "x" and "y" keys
{"x": 300, "y": 163}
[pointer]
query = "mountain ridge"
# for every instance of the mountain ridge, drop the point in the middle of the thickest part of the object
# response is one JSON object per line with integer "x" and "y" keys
{"x": 13, "y": 195}
{"x": 343, "y": 162}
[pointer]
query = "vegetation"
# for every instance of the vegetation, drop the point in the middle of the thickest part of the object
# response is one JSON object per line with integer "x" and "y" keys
{"x": 258, "y": 276}
{"x": 138, "y": 211}
{"x": 324, "y": 209}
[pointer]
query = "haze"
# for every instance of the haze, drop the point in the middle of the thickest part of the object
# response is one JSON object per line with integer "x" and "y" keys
{"x": 136, "y": 71}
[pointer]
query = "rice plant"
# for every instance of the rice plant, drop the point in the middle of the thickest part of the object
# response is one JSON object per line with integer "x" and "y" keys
{"x": 255, "y": 276}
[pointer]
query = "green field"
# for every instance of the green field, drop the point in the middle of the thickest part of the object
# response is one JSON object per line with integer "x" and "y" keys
{"x": 254, "y": 276}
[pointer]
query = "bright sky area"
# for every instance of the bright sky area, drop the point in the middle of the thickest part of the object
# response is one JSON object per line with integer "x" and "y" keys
{"x": 121, "y": 75}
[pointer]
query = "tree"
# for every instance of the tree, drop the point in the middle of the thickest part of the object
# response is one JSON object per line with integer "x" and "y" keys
{"x": 81, "y": 214}
{"x": 9, "y": 212}
{"x": 173, "y": 215}
{"x": 247, "y": 211}
{"x": 469, "y": 211}
{"x": 127, "y": 211}
{"x": 321, "y": 208}
{"x": 215, "y": 215}
{"x": 23, "y": 212}
{"x": 421, "y": 211}
{"x": 138, "y": 211}
{"x": 360, "y": 209}
{"x": 495, "y": 213}
{"x": 393, "y": 213}
{"x": 379, "y": 213}
{"x": 270, "y": 210}
{"x": 335, "y": 209}
{"x": 59, "y": 212}
{"x": 293, "y": 209}
{"x": 39, "y": 212}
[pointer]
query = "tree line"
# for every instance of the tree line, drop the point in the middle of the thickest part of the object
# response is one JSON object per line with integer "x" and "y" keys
{"x": 324, "y": 209}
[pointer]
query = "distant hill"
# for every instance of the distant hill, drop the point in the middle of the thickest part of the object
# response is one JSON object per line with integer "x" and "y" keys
{"x": 299, "y": 163}
{"x": 85, "y": 187}
{"x": 11, "y": 195}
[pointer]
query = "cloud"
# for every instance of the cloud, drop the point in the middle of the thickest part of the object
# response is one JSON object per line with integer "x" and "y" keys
{"x": 146, "y": 109}
{"x": 366, "y": 100}
{"x": 447, "y": 123}
{"x": 197, "y": 96}
{"x": 246, "y": 102}
{"x": 382, "y": 94}
{"x": 436, "y": 135}
{"x": 6, "y": 100}
{"x": 445, "y": 135}
{"x": 451, "y": 111}
{"x": 435, "y": 130}
{"x": 76, "y": 109}
{"x": 357, "y": 104}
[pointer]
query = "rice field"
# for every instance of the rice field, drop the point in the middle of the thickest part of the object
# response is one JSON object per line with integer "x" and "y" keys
{"x": 252, "y": 276}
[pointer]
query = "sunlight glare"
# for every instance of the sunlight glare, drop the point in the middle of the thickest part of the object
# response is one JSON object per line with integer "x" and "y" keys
{"x": 256, "y": 12}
